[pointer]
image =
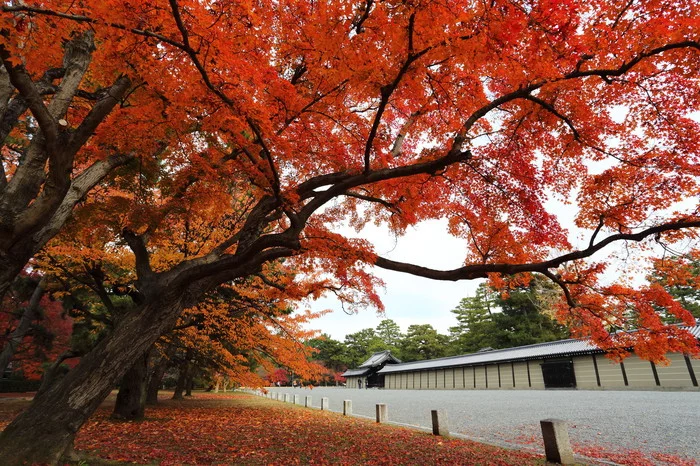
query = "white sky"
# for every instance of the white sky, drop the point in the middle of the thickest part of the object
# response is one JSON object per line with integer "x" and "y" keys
{"x": 407, "y": 299}
{"x": 415, "y": 300}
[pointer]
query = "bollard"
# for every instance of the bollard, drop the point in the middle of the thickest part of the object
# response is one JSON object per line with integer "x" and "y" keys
{"x": 286, "y": 397}
{"x": 557, "y": 448}
{"x": 307, "y": 402}
{"x": 382, "y": 413}
{"x": 347, "y": 407}
{"x": 324, "y": 403}
{"x": 296, "y": 399}
{"x": 440, "y": 426}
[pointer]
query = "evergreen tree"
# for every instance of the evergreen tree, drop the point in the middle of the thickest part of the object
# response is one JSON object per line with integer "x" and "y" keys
{"x": 332, "y": 353}
{"x": 423, "y": 342}
{"x": 361, "y": 345}
{"x": 522, "y": 316}
{"x": 390, "y": 334}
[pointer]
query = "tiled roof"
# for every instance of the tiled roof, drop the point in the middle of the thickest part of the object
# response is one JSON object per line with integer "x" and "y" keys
{"x": 377, "y": 359}
{"x": 356, "y": 372}
{"x": 537, "y": 351}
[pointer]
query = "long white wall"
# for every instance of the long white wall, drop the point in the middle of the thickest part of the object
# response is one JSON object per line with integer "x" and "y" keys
{"x": 591, "y": 372}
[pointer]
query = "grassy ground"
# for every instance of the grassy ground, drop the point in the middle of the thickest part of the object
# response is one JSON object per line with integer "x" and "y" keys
{"x": 246, "y": 430}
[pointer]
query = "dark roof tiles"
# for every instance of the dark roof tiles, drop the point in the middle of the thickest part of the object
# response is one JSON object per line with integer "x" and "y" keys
{"x": 552, "y": 349}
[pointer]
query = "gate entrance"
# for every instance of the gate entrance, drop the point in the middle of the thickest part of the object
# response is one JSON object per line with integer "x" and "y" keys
{"x": 375, "y": 381}
{"x": 558, "y": 374}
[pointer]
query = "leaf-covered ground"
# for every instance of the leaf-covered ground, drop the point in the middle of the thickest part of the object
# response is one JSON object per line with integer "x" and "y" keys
{"x": 245, "y": 430}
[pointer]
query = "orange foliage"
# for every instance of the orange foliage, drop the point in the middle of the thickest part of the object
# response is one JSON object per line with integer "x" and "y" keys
{"x": 259, "y": 130}
{"x": 240, "y": 338}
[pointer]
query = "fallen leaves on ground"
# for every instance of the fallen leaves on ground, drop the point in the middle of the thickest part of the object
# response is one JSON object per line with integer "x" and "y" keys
{"x": 246, "y": 430}
{"x": 241, "y": 429}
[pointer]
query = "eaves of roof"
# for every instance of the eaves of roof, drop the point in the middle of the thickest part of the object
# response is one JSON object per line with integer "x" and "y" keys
{"x": 356, "y": 372}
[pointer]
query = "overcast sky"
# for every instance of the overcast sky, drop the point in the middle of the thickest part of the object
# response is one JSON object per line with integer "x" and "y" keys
{"x": 407, "y": 299}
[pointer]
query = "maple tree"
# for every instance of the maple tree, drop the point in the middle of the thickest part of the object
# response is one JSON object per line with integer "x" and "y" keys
{"x": 274, "y": 125}
{"x": 42, "y": 176}
{"x": 233, "y": 332}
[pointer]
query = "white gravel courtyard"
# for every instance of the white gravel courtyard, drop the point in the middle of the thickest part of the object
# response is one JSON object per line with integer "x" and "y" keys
{"x": 649, "y": 421}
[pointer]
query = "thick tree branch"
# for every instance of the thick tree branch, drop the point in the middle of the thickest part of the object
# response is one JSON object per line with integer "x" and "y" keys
{"x": 471, "y": 272}
{"x": 21, "y": 80}
{"x": 398, "y": 143}
{"x": 345, "y": 181}
{"x": 99, "y": 112}
{"x": 366, "y": 8}
{"x": 79, "y": 188}
{"x": 137, "y": 245}
{"x": 76, "y": 60}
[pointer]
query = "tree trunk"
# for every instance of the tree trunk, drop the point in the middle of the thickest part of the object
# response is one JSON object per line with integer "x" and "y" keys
{"x": 181, "y": 381}
{"x": 30, "y": 315}
{"x": 189, "y": 383}
{"x": 157, "y": 374}
{"x": 43, "y": 432}
{"x": 131, "y": 399}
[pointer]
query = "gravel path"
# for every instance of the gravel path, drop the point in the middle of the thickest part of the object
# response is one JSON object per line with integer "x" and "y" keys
{"x": 666, "y": 422}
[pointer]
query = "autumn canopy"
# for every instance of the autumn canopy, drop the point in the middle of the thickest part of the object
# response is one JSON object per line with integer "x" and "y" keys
{"x": 192, "y": 144}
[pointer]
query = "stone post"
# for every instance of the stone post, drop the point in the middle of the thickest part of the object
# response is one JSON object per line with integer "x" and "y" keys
{"x": 382, "y": 413}
{"x": 286, "y": 397}
{"x": 557, "y": 448}
{"x": 307, "y": 402}
{"x": 347, "y": 407}
{"x": 324, "y": 404}
{"x": 440, "y": 426}
{"x": 296, "y": 399}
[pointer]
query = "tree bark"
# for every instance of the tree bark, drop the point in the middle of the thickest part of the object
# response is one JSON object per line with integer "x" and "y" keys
{"x": 181, "y": 381}
{"x": 189, "y": 383}
{"x": 157, "y": 374}
{"x": 131, "y": 399}
{"x": 30, "y": 315}
{"x": 44, "y": 432}
{"x": 39, "y": 197}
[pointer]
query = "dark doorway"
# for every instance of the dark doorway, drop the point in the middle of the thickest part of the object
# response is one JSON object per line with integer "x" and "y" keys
{"x": 558, "y": 374}
{"x": 375, "y": 381}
